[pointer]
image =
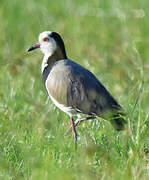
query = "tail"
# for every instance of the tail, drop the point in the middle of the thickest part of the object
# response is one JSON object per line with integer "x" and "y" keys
{"x": 118, "y": 121}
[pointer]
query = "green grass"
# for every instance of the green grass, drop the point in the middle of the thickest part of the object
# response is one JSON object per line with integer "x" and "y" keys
{"x": 111, "y": 38}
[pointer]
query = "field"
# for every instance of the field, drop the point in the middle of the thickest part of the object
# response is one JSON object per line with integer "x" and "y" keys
{"x": 111, "y": 39}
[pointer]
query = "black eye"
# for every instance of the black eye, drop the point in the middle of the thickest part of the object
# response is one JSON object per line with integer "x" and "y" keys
{"x": 46, "y": 39}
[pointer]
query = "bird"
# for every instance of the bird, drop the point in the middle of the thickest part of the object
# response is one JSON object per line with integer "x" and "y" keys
{"x": 74, "y": 89}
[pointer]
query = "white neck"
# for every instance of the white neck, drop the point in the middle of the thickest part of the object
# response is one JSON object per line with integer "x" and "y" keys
{"x": 48, "y": 50}
{"x": 44, "y": 63}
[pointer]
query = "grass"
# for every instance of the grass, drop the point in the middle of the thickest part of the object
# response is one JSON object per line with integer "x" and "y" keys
{"x": 108, "y": 37}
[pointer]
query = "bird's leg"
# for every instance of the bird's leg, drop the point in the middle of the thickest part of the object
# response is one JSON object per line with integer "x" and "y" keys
{"x": 73, "y": 128}
{"x": 78, "y": 121}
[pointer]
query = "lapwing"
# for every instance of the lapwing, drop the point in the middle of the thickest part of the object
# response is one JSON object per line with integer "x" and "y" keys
{"x": 74, "y": 89}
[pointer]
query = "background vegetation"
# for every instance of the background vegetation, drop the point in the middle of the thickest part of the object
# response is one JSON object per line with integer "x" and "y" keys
{"x": 111, "y": 38}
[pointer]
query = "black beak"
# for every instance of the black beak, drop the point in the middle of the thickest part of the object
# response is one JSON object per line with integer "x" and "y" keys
{"x": 35, "y": 46}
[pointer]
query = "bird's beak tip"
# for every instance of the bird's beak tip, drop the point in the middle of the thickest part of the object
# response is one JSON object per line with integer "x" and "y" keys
{"x": 28, "y": 50}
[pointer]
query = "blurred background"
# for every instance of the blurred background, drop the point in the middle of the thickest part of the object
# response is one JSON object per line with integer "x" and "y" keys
{"x": 111, "y": 39}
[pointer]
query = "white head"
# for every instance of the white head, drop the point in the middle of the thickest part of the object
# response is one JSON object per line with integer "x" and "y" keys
{"x": 49, "y": 42}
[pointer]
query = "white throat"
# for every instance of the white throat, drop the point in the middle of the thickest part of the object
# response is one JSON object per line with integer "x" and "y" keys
{"x": 48, "y": 49}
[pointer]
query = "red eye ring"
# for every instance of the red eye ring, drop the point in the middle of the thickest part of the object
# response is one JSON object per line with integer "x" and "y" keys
{"x": 46, "y": 39}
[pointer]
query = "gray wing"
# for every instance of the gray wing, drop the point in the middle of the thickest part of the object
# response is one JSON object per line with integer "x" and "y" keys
{"x": 86, "y": 93}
